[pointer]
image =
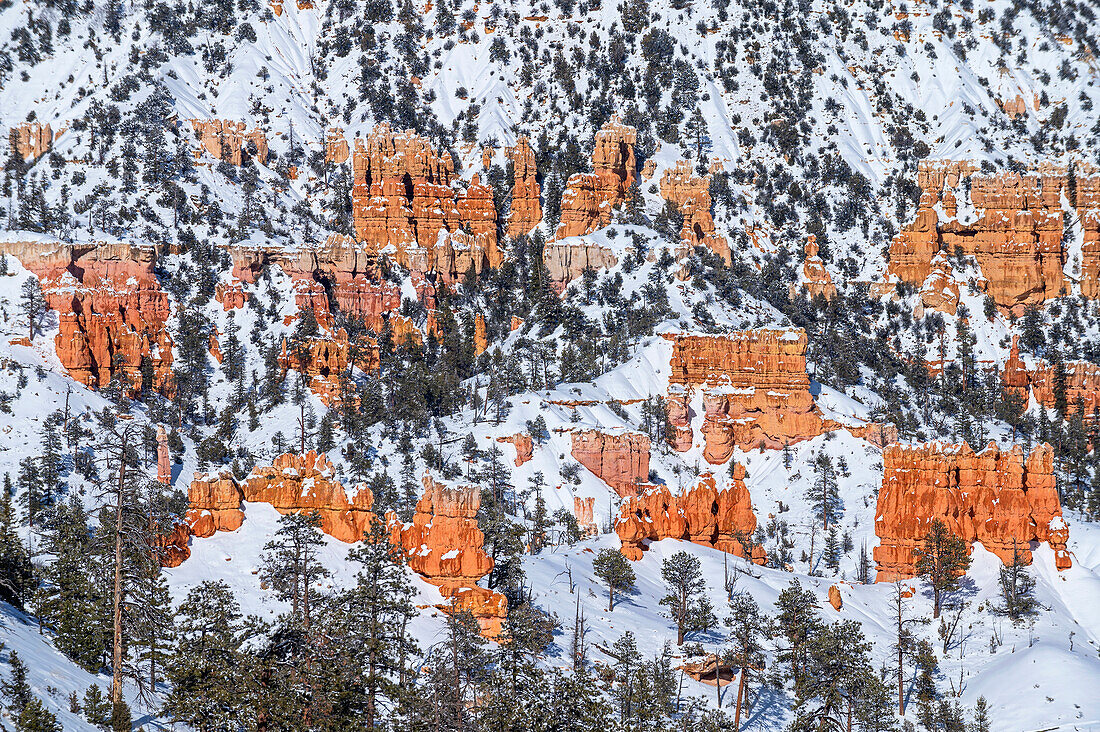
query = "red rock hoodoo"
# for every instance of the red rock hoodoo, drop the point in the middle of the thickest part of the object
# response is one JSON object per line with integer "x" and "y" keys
{"x": 111, "y": 310}
{"x": 690, "y": 195}
{"x": 231, "y": 142}
{"x": 444, "y": 545}
{"x": 589, "y": 198}
{"x": 816, "y": 280}
{"x": 402, "y": 197}
{"x": 524, "y": 446}
{"x": 526, "y": 206}
{"x": 1082, "y": 380}
{"x": 565, "y": 261}
{"x": 215, "y": 504}
{"x": 722, "y": 519}
{"x": 583, "y": 510}
{"x": 323, "y": 359}
{"x": 755, "y": 389}
{"x": 31, "y": 140}
{"x": 1015, "y": 231}
{"x": 995, "y": 497}
{"x": 621, "y": 460}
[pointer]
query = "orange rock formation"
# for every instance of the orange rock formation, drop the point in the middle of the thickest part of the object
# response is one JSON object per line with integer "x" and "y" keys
{"x": 620, "y": 460}
{"x": 523, "y": 444}
{"x": 995, "y": 497}
{"x": 323, "y": 359}
{"x": 816, "y": 280}
{"x": 1015, "y": 236}
{"x": 939, "y": 290}
{"x": 403, "y": 198}
{"x": 444, "y": 545}
{"x": 231, "y": 142}
{"x": 583, "y": 510}
{"x": 111, "y": 310}
{"x": 589, "y": 198}
{"x": 31, "y": 140}
{"x": 215, "y": 504}
{"x": 755, "y": 389}
{"x": 691, "y": 197}
{"x": 526, "y": 206}
{"x": 722, "y": 519}
{"x": 565, "y": 261}
{"x": 336, "y": 146}
{"x": 1082, "y": 380}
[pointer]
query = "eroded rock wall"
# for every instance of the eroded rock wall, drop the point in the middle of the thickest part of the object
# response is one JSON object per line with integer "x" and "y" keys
{"x": 620, "y": 459}
{"x": 690, "y": 195}
{"x": 589, "y": 198}
{"x": 722, "y": 519}
{"x": 993, "y": 496}
{"x": 231, "y": 142}
{"x": 526, "y": 205}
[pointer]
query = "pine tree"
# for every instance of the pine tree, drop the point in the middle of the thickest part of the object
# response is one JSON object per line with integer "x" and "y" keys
{"x": 291, "y": 565}
{"x": 97, "y": 710}
{"x": 33, "y": 304}
{"x": 16, "y": 689}
{"x": 205, "y": 670}
{"x": 823, "y": 495}
{"x": 942, "y": 559}
{"x": 797, "y": 622}
{"x": 1016, "y": 588}
{"x": 684, "y": 586}
{"x": 379, "y": 609}
{"x": 981, "y": 716}
{"x": 17, "y": 577}
{"x": 748, "y": 629}
{"x": 832, "y": 550}
{"x": 614, "y": 569}
{"x": 36, "y": 718}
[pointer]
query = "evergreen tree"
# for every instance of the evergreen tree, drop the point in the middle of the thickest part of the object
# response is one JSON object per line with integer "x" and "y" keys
{"x": 942, "y": 559}
{"x": 1017, "y": 586}
{"x": 96, "y": 709}
{"x": 615, "y": 571}
{"x": 16, "y": 689}
{"x": 17, "y": 578}
{"x": 796, "y": 623}
{"x": 291, "y": 565}
{"x": 36, "y": 718}
{"x": 823, "y": 495}
{"x": 684, "y": 586}
{"x": 33, "y": 304}
{"x": 206, "y": 670}
{"x": 981, "y": 716}
{"x": 748, "y": 629}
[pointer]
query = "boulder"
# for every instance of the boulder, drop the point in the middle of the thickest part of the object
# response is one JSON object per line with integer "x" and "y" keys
{"x": 834, "y": 597}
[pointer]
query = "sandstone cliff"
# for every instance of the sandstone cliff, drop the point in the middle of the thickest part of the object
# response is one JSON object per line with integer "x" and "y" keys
{"x": 995, "y": 497}
{"x": 231, "y": 142}
{"x": 589, "y": 198}
{"x": 690, "y": 195}
{"x": 31, "y": 140}
{"x": 526, "y": 205}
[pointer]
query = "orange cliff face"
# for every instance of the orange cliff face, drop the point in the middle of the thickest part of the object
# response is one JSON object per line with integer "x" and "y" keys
{"x": 111, "y": 310}
{"x": 402, "y": 197}
{"x": 230, "y": 142}
{"x": 621, "y": 460}
{"x": 526, "y": 206}
{"x": 755, "y": 389}
{"x": 722, "y": 519}
{"x": 589, "y": 198}
{"x": 995, "y": 497}
{"x": 691, "y": 197}
{"x": 1016, "y": 234}
{"x": 323, "y": 359}
{"x": 445, "y": 546}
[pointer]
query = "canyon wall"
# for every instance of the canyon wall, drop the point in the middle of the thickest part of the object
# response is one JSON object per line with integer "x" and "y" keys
{"x": 995, "y": 497}
{"x": 619, "y": 459}
{"x": 722, "y": 519}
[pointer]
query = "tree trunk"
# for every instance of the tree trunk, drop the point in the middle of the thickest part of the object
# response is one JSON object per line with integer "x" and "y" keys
{"x": 901, "y": 676}
{"x": 116, "y": 622}
{"x": 740, "y": 696}
{"x": 610, "y": 599}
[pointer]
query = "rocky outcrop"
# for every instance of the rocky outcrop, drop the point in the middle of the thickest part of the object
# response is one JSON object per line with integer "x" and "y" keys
{"x": 231, "y": 142}
{"x": 690, "y": 195}
{"x": 583, "y": 510}
{"x": 444, "y": 545}
{"x": 214, "y": 504}
{"x": 111, "y": 310}
{"x": 939, "y": 291}
{"x": 1081, "y": 378}
{"x": 526, "y": 205}
{"x": 722, "y": 519}
{"x": 523, "y": 444}
{"x": 678, "y": 409}
{"x": 324, "y": 359}
{"x": 31, "y": 140}
{"x": 619, "y": 459}
{"x": 995, "y": 497}
{"x": 1010, "y": 223}
{"x": 171, "y": 549}
{"x": 566, "y": 261}
{"x": 835, "y": 598}
{"x": 336, "y": 146}
{"x": 815, "y": 279}
{"x": 403, "y": 197}
{"x": 481, "y": 342}
{"x": 164, "y": 460}
{"x": 589, "y": 198}
{"x": 755, "y": 388}
{"x": 306, "y": 483}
